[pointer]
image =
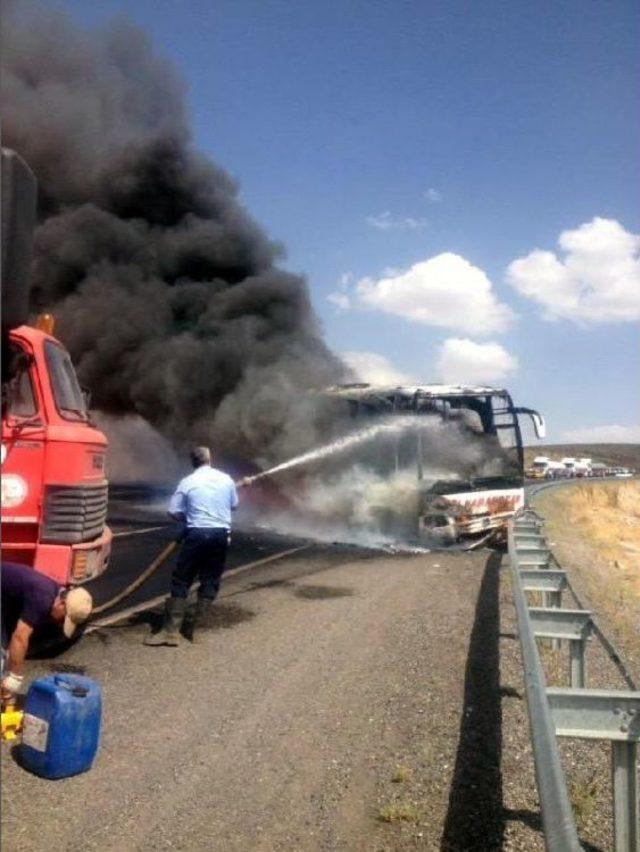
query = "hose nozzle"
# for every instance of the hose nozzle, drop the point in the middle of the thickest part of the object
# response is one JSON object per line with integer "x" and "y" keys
{"x": 246, "y": 480}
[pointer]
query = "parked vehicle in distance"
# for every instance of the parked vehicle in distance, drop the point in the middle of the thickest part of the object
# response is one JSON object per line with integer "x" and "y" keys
{"x": 556, "y": 470}
{"x": 569, "y": 467}
{"x": 539, "y": 468}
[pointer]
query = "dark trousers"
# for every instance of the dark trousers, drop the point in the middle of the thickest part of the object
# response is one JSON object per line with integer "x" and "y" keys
{"x": 202, "y": 555}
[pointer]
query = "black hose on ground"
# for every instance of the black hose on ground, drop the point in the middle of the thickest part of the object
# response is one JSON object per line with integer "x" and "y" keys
{"x": 160, "y": 559}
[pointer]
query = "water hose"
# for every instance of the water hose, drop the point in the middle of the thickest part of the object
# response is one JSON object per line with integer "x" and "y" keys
{"x": 160, "y": 559}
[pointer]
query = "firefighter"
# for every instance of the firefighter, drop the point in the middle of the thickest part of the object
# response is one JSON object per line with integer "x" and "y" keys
{"x": 31, "y": 601}
{"x": 203, "y": 502}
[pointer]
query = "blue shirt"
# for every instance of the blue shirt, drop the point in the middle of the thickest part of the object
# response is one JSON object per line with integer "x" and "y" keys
{"x": 206, "y": 498}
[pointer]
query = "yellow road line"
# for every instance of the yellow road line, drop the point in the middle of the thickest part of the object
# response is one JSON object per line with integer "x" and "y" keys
{"x": 149, "y": 604}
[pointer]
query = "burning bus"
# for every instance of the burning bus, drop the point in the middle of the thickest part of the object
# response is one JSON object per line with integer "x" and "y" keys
{"x": 463, "y": 445}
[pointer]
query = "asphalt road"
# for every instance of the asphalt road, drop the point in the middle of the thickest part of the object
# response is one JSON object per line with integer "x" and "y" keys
{"x": 137, "y": 516}
{"x": 534, "y": 486}
{"x": 138, "y": 519}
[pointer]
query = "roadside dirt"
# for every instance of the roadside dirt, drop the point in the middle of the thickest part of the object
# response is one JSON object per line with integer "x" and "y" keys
{"x": 594, "y": 530}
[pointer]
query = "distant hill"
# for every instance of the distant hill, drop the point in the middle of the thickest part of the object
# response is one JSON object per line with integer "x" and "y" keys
{"x": 616, "y": 455}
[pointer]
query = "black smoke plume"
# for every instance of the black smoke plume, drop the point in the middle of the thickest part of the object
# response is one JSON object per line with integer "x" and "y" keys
{"x": 167, "y": 293}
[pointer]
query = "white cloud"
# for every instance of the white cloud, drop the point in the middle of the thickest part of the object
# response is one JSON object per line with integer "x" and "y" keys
{"x": 445, "y": 290}
{"x": 340, "y": 299}
{"x": 386, "y": 222}
{"x": 597, "y": 280}
{"x": 433, "y": 195}
{"x": 391, "y": 272}
{"x": 461, "y": 361}
{"x": 375, "y": 369}
{"x": 613, "y": 434}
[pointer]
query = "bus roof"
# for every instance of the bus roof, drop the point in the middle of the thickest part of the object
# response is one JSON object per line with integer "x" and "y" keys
{"x": 362, "y": 392}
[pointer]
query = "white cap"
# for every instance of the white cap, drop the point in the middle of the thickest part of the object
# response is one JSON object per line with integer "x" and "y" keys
{"x": 79, "y": 604}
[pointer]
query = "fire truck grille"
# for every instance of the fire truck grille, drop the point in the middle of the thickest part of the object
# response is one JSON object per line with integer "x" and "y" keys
{"x": 74, "y": 513}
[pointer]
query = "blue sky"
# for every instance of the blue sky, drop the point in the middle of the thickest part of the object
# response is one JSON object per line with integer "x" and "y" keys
{"x": 374, "y": 137}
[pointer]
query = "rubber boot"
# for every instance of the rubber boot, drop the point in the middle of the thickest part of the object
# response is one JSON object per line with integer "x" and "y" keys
{"x": 190, "y": 621}
{"x": 174, "y": 613}
{"x": 194, "y": 617}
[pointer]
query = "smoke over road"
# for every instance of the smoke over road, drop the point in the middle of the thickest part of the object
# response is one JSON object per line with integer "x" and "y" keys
{"x": 369, "y": 486}
{"x": 168, "y": 295}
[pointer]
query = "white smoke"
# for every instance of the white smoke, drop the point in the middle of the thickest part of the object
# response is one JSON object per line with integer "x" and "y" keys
{"x": 357, "y": 506}
{"x": 370, "y": 489}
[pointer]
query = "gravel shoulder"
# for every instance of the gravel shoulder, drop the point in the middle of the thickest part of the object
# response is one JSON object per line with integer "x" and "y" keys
{"x": 336, "y": 701}
{"x": 318, "y": 682}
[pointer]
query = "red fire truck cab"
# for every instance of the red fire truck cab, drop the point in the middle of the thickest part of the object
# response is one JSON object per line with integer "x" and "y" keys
{"x": 54, "y": 489}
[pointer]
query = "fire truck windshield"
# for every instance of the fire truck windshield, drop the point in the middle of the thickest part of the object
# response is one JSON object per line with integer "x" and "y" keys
{"x": 64, "y": 383}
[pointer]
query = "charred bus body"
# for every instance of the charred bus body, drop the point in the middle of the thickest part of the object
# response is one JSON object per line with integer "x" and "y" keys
{"x": 464, "y": 444}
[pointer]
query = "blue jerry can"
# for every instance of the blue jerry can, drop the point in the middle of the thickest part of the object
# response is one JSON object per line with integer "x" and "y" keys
{"x": 61, "y": 725}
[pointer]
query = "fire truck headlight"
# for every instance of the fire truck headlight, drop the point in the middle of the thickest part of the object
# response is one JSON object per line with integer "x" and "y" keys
{"x": 14, "y": 490}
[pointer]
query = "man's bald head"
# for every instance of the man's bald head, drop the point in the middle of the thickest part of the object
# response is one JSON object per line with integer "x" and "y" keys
{"x": 200, "y": 456}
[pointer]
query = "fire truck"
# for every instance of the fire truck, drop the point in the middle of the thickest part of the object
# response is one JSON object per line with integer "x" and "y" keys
{"x": 54, "y": 487}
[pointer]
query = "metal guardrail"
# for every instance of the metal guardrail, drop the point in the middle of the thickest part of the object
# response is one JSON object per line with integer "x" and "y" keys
{"x": 575, "y": 711}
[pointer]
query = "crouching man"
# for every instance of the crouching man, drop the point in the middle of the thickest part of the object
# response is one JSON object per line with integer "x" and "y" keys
{"x": 203, "y": 502}
{"x": 30, "y": 601}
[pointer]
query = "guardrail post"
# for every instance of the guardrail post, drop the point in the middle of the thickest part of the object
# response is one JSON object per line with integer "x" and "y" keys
{"x": 577, "y": 674}
{"x": 625, "y": 795}
{"x": 601, "y": 714}
{"x": 555, "y": 600}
